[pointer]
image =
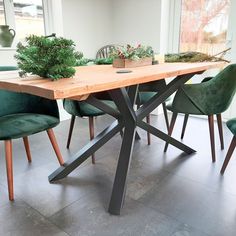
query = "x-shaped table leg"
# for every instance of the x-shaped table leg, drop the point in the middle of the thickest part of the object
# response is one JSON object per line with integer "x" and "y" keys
{"x": 128, "y": 120}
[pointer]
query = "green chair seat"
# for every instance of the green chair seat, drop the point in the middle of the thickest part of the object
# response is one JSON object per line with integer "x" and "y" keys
{"x": 24, "y": 124}
{"x": 231, "y": 124}
{"x": 185, "y": 106}
{"x": 81, "y": 109}
{"x": 145, "y": 96}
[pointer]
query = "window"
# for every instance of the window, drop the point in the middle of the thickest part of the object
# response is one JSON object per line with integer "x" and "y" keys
{"x": 204, "y": 25}
{"x": 28, "y": 18}
{"x": 25, "y": 16}
{"x": 2, "y": 14}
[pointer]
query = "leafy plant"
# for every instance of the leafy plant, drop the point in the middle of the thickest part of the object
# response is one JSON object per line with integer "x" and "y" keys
{"x": 83, "y": 61}
{"x": 103, "y": 61}
{"x": 132, "y": 53}
{"x": 48, "y": 57}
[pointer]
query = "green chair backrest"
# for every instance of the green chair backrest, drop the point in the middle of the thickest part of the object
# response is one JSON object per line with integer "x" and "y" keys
{"x": 13, "y": 103}
{"x": 214, "y": 96}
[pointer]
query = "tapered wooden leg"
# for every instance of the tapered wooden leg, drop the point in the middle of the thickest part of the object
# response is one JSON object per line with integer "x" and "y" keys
{"x": 172, "y": 124}
{"x": 27, "y": 148}
{"x": 184, "y": 125}
{"x": 55, "y": 146}
{"x": 165, "y": 115}
{"x": 219, "y": 123}
{"x": 91, "y": 132}
{"x": 148, "y": 134}
{"x": 228, "y": 155}
{"x": 8, "y": 151}
{"x": 72, "y": 122}
{"x": 212, "y": 136}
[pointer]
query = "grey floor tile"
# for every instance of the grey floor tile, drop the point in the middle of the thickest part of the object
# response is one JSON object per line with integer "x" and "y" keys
{"x": 88, "y": 216}
{"x": 19, "y": 219}
{"x": 169, "y": 194}
{"x": 194, "y": 204}
{"x": 34, "y": 188}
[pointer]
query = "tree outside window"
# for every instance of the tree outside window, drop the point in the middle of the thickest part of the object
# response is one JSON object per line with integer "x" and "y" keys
{"x": 204, "y": 25}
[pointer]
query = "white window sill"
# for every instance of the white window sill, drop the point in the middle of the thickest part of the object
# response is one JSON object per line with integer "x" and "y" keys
{"x": 7, "y": 49}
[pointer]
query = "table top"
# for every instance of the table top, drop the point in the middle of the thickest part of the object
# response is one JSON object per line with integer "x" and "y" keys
{"x": 97, "y": 78}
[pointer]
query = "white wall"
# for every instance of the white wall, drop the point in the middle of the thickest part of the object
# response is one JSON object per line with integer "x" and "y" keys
{"x": 136, "y": 22}
{"x": 7, "y": 56}
{"x": 88, "y": 23}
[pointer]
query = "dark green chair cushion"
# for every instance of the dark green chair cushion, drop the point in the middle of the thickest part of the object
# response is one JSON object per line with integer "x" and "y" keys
{"x": 150, "y": 89}
{"x": 25, "y": 103}
{"x": 187, "y": 103}
{"x": 23, "y": 124}
{"x": 24, "y": 114}
{"x": 145, "y": 96}
{"x": 84, "y": 109}
{"x": 231, "y": 124}
{"x": 211, "y": 97}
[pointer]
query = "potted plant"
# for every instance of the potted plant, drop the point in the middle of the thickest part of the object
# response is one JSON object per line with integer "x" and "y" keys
{"x": 49, "y": 57}
{"x": 129, "y": 56}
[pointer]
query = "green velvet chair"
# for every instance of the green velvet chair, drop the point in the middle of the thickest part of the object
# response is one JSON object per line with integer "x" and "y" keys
{"x": 83, "y": 109}
{"x": 231, "y": 124}
{"x": 146, "y": 92}
{"x": 186, "y": 116}
{"x": 209, "y": 98}
{"x": 22, "y": 115}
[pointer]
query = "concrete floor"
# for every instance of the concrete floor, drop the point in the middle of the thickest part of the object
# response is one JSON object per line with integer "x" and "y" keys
{"x": 167, "y": 194}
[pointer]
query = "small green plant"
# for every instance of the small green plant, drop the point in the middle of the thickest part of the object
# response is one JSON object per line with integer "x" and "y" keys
{"x": 103, "y": 61}
{"x": 132, "y": 53}
{"x": 48, "y": 57}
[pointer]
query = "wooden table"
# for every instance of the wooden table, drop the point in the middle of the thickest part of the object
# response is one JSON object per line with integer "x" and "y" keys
{"x": 91, "y": 79}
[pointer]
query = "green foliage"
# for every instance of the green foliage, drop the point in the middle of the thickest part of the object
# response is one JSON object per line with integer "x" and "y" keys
{"x": 47, "y": 57}
{"x": 83, "y": 61}
{"x": 132, "y": 53}
{"x": 190, "y": 57}
{"x": 104, "y": 61}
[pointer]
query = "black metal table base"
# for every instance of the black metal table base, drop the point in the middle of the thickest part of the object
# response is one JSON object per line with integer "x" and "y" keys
{"x": 127, "y": 122}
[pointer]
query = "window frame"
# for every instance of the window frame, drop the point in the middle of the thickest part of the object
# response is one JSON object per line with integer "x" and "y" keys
{"x": 10, "y": 16}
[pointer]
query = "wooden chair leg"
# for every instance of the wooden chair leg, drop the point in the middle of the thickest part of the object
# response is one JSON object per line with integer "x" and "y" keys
{"x": 184, "y": 125}
{"x": 72, "y": 122}
{"x": 148, "y": 134}
{"x": 172, "y": 124}
{"x": 91, "y": 132}
{"x": 55, "y": 146}
{"x": 27, "y": 148}
{"x": 228, "y": 155}
{"x": 8, "y": 151}
{"x": 166, "y": 115}
{"x": 219, "y": 123}
{"x": 212, "y": 138}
